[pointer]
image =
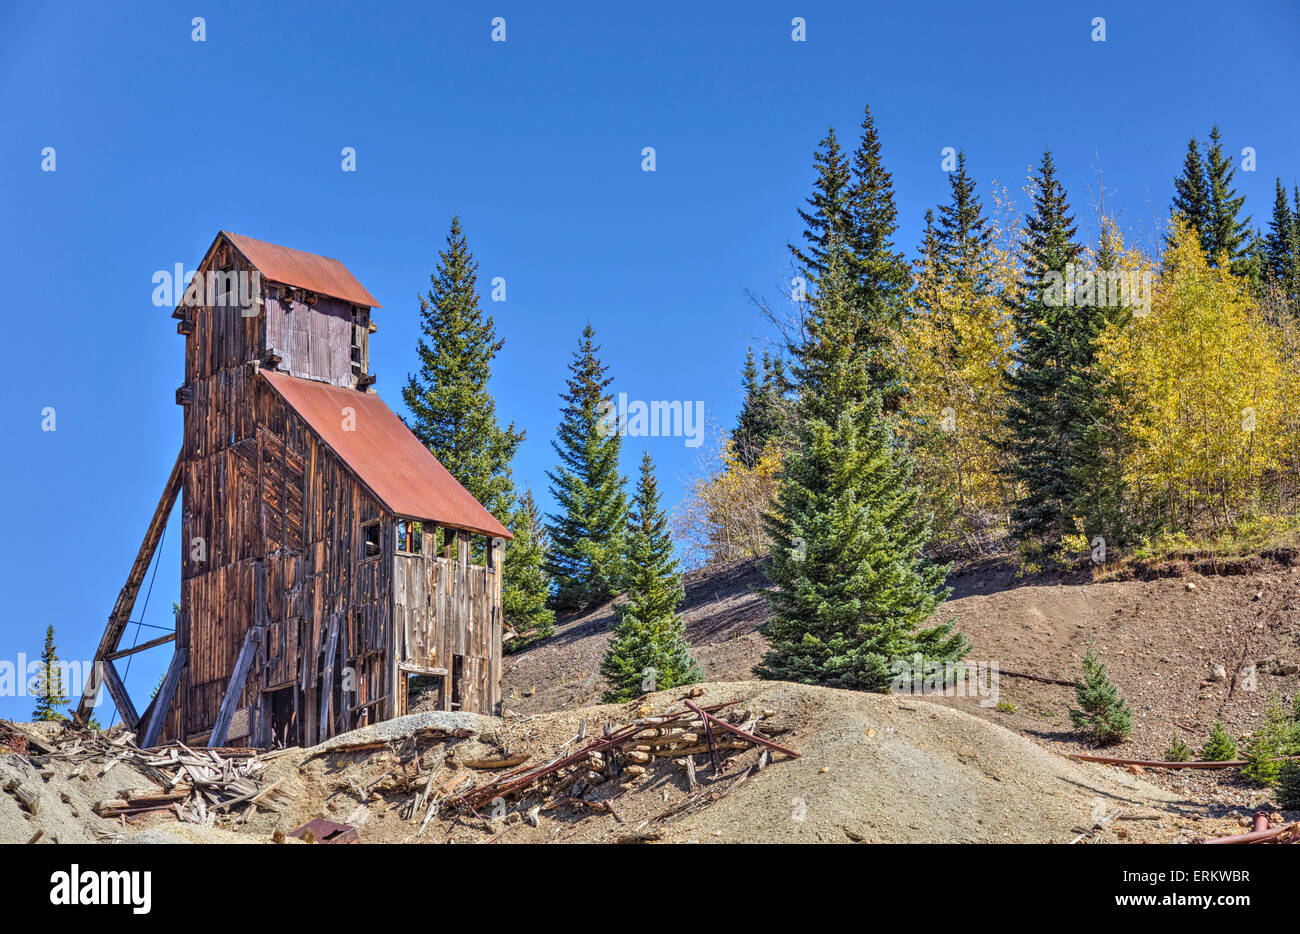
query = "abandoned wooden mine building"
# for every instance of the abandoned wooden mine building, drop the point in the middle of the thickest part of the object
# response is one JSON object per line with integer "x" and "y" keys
{"x": 312, "y": 587}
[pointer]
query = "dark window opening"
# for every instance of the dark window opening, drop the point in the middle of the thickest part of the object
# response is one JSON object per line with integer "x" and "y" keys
{"x": 370, "y": 540}
{"x": 457, "y": 673}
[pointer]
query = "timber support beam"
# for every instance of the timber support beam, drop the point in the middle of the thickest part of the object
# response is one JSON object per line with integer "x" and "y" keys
{"x": 121, "y": 614}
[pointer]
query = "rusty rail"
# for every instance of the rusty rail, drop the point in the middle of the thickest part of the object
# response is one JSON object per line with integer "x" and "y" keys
{"x": 1163, "y": 764}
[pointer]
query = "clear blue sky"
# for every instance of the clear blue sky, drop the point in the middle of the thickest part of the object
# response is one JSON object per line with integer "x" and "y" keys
{"x": 161, "y": 141}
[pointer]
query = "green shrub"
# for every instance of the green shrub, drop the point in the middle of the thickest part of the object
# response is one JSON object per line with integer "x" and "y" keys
{"x": 1288, "y": 784}
{"x": 1275, "y": 737}
{"x": 1220, "y": 747}
{"x": 1178, "y": 751}
{"x": 1104, "y": 713}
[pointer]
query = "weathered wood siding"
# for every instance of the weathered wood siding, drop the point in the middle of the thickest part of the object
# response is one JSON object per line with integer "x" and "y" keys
{"x": 315, "y": 341}
{"x": 277, "y": 496}
{"x": 447, "y": 609}
{"x": 272, "y": 536}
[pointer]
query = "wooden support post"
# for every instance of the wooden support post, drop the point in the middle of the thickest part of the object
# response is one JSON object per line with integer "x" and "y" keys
{"x": 496, "y": 620}
{"x": 163, "y": 702}
{"x": 117, "y": 620}
{"x": 237, "y": 678}
{"x": 118, "y": 692}
{"x": 327, "y": 680}
{"x": 152, "y": 643}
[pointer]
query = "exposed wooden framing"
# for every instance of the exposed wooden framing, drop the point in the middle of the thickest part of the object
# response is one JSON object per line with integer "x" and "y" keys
{"x": 117, "y": 620}
{"x": 117, "y": 691}
{"x": 163, "y": 701}
{"x": 237, "y": 678}
{"x": 327, "y": 678}
{"x": 273, "y": 523}
{"x": 421, "y": 669}
{"x": 151, "y": 644}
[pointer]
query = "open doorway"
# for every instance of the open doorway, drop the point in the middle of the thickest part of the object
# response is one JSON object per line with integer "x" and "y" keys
{"x": 284, "y": 718}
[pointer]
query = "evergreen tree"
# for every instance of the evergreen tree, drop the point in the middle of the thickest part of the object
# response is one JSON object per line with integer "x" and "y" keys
{"x": 1096, "y": 474}
{"x": 1225, "y": 231}
{"x": 964, "y": 235}
{"x": 1281, "y": 233}
{"x": 1105, "y": 714}
{"x": 48, "y": 684}
{"x": 931, "y": 250}
{"x": 1288, "y": 784}
{"x": 453, "y": 413}
{"x": 1220, "y": 747}
{"x": 1050, "y": 337}
{"x": 828, "y": 207}
{"x": 587, "y": 530}
{"x": 853, "y": 205}
{"x": 1282, "y": 248}
{"x": 852, "y": 588}
{"x": 761, "y": 418}
{"x": 1294, "y": 285}
{"x": 1191, "y": 195}
{"x": 525, "y": 585}
{"x": 878, "y": 274}
{"x": 649, "y": 651}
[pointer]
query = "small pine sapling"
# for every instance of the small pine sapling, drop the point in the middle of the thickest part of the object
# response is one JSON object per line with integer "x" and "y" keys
{"x": 1220, "y": 747}
{"x": 1103, "y": 712}
{"x": 1178, "y": 751}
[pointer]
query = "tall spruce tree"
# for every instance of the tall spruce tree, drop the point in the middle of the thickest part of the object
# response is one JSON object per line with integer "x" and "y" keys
{"x": 1281, "y": 255}
{"x": 1225, "y": 231}
{"x": 649, "y": 651}
{"x": 878, "y": 273}
{"x": 828, "y": 207}
{"x": 964, "y": 235}
{"x": 853, "y": 204}
{"x": 453, "y": 413}
{"x": 1294, "y": 286}
{"x": 587, "y": 530}
{"x": 525, "y": 586}
{"x": 1044, "y": 425}
{"x": 1191, "y": 195}
{"x": 852, "y": 588}
{"x": 761, "y": 419}
{"x": 1096, "y": 472}
{"x": 48, "y": 684}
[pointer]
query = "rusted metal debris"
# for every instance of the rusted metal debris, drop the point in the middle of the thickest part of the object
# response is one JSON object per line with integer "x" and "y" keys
{"x": 1286, "y": 833}
{"x": 629, "y": 750}
{"x": 325, "y": 831}
{"x": 1162, "y": 764}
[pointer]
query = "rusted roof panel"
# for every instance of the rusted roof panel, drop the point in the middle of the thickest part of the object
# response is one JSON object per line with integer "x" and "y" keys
{"x": 384, "y": 454}
{"x": 303, "y": 270}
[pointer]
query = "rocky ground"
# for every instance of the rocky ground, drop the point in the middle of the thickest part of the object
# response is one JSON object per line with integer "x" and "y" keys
{"x": 873, "y": 768}
{"x": 1180, "y": 639}
{"x": 1187, "y": 644}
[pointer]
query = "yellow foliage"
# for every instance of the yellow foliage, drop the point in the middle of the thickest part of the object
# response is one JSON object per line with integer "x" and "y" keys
{"x": 1203, "y": 392}
{"x": 722, "y": 518}
{"x": 953, "y": 349}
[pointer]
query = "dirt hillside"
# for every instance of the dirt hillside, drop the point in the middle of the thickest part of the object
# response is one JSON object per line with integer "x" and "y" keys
{"x": 872, "y": 768}
{"x": 1162, "y": 638}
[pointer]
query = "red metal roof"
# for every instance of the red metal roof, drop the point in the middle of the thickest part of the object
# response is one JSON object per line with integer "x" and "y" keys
{"x": 303, "y": 270}
{"x": 384, "y": 455}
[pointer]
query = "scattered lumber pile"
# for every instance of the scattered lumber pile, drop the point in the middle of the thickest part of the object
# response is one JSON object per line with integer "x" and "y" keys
{"x": 628, "y": 754}
{"x": 196, "y": 785}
